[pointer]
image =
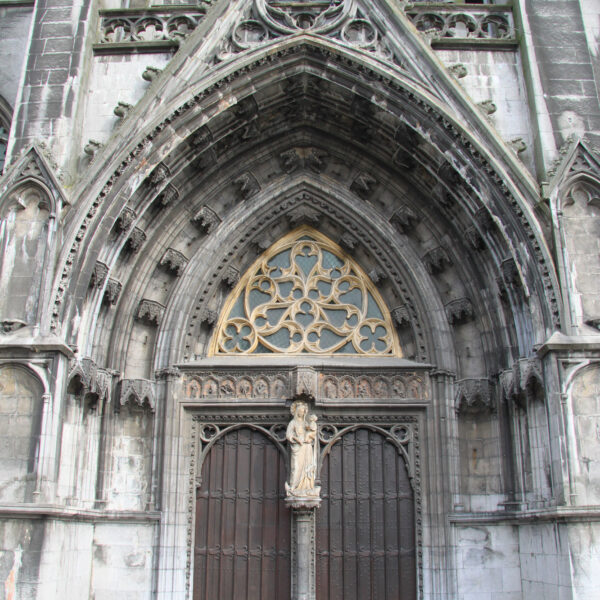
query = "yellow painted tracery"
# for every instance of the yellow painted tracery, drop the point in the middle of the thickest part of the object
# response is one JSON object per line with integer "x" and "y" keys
{"x": 305, "y": 295}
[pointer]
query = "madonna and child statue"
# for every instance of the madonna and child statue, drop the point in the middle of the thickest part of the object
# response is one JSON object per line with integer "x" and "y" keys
{"x": 301, "y": 435}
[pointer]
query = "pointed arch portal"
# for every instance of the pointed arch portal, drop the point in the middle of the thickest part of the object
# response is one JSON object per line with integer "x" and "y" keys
{"x": 306, "y": 217}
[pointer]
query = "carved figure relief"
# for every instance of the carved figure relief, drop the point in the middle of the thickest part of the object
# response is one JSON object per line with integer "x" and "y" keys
{"x": 301, "y": 434}
{"x": 305, "y": 295}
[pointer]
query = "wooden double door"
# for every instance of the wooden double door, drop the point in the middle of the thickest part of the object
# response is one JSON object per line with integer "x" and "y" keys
{"x": 365, "y": 526}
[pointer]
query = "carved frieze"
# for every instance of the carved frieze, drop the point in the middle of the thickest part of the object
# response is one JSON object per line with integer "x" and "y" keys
{"x": 226, "y": 385}
{"x": 411, "y": 385}
{"x": 306, "y": 381}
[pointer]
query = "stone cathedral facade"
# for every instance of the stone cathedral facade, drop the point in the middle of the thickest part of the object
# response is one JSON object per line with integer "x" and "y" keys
{"x": 299, "y": 300}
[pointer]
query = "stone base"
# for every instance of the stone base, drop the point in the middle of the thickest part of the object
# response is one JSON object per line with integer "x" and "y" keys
{"x": 303, "y": 502}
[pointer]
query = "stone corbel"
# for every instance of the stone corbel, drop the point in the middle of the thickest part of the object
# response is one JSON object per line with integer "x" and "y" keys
{"x": 137, "y": 392}
{"x": 363, "y": 185}
{"x": 404, "y": 220}
{"x": 436, "y": 260}
{"x": 246, "y": 186}
{"x": 98, "y": 275}
{"x": 474, "y": 395}
{"x": 160, "y": 174}
{"x": 89, "y": 382}
{"x": 174, "y": 261}
{"x": 150, "y": 312}
{"x": 459, "y": 311}
{"x": 519, "y": 380}
{"x": 169, "y": 195}
{"x": 207, "y": 219}
{"x": 136, "y": 239}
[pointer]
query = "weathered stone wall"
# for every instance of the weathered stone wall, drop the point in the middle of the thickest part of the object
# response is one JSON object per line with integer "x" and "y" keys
{"x": 487, "y": 562}
{"x": 20, "y": 414}
{"x": 497, "y": 77}
{"x": 15, "y": 23}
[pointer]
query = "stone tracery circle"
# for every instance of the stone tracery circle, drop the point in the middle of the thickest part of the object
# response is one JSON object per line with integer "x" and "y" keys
{"x": 316, "y": 17}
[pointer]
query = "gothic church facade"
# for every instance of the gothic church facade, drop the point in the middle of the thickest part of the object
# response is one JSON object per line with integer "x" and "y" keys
{"x": 386, "y": 213}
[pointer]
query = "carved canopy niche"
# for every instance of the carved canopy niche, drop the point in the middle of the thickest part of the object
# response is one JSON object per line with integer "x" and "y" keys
{"x": 305, "y": 295}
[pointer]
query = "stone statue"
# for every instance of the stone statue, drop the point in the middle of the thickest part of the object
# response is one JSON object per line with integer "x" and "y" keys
{"x": 302, "y": 435}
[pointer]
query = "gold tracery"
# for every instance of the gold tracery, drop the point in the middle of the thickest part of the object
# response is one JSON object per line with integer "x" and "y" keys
{"x": 305, "y": 295}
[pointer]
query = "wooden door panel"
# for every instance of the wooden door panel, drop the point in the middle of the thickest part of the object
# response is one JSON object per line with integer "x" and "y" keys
{"x": 365, "y": 526}
{"x": 242, "y": 545}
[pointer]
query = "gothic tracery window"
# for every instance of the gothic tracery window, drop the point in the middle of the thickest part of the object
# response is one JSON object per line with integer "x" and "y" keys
{"x": 305, "y": 295}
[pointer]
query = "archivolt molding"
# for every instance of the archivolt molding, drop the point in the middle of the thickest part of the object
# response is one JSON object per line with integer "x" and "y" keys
{"x": 116, "y": 185}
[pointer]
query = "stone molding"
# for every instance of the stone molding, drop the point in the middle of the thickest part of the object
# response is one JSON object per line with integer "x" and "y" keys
{"x": 319, "y": 383}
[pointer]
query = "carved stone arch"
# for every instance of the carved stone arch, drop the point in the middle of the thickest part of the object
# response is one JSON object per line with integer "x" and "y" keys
{"x": 22, "y": 410}
{"x": 389, "y": 435}
{"x": 304, "y": 48}
{"x": 582, "y": 189}
{"x": 217, "y": 432}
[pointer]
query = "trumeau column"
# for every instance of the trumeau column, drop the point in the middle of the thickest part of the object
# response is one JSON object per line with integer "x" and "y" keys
{"x": 303, "y": 497}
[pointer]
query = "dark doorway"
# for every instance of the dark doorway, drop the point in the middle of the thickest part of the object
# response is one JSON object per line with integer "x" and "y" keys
{"x": 242, "y": 544}
{"x": 365, "y": 526}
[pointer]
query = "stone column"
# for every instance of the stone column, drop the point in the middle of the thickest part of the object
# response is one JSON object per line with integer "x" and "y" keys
{"x": 303, "y": 547}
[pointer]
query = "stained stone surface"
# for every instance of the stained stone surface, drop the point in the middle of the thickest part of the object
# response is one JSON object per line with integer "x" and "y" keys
{"x": 450, "y": 151}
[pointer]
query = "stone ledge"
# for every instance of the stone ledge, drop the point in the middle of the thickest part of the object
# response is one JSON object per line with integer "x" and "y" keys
{"x": 44, "y": 511}
{"x": 562, "y": 513}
